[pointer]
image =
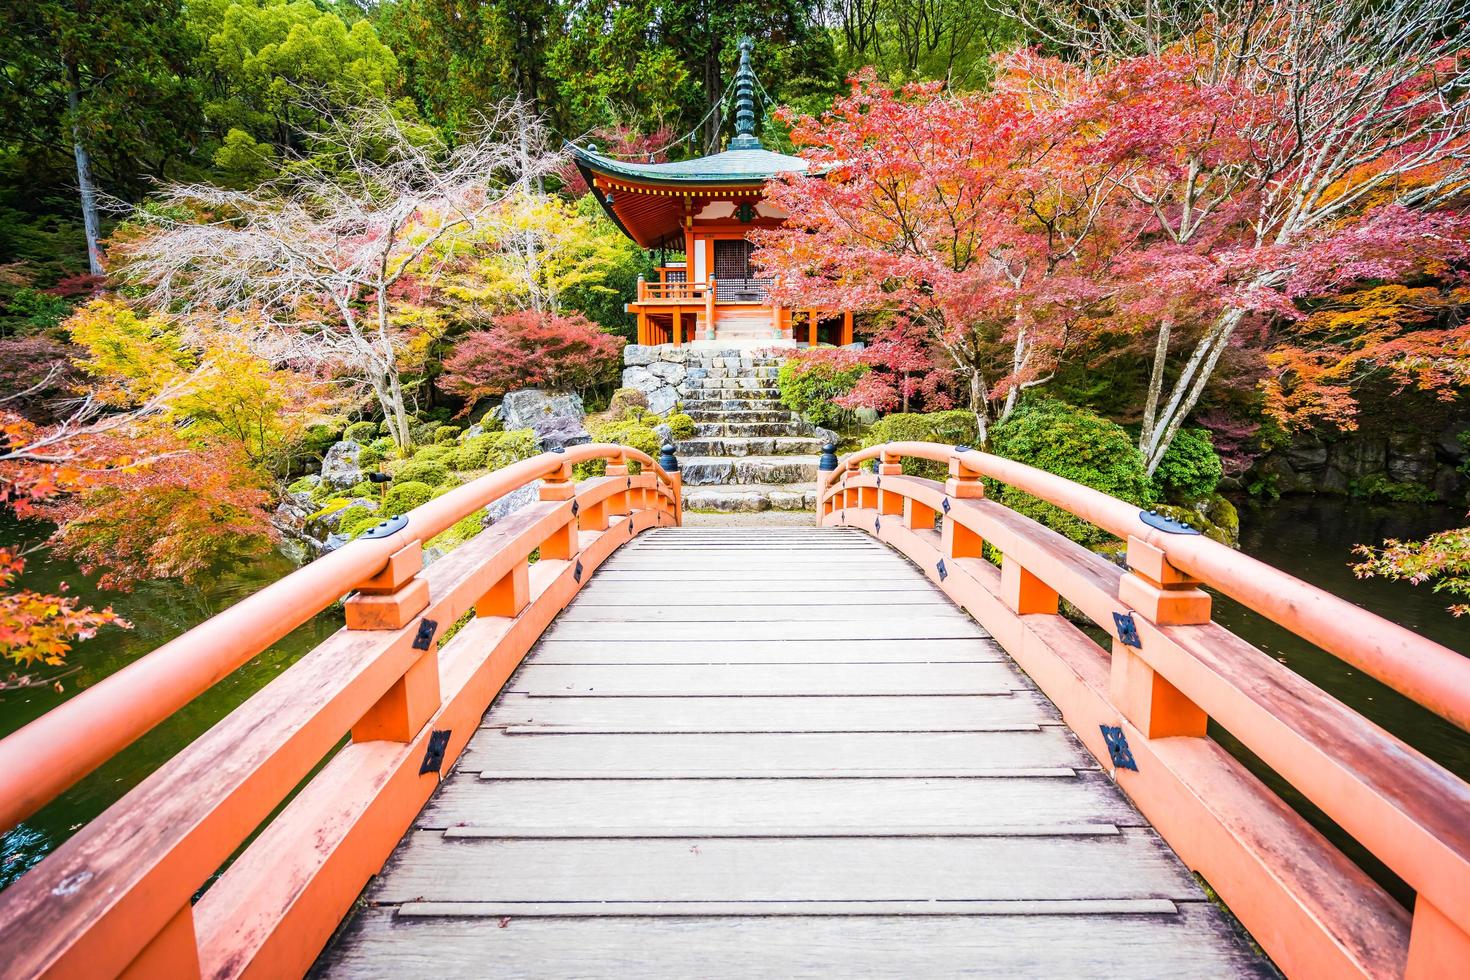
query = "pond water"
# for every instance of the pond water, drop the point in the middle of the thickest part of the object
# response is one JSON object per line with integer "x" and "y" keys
{"x": 159, "y": 611}
{"x": 1310, "y": 537}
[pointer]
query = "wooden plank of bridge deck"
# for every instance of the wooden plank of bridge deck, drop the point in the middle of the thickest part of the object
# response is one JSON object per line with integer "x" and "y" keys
{"x": 717, "y": 763}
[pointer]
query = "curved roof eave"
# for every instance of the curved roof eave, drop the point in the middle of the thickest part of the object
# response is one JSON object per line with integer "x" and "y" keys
{"x": 729, "y": 167}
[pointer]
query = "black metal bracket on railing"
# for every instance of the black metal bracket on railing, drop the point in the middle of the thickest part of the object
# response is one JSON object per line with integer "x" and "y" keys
{"x": 384, "y": 529}
{"x": 1127, "y": 630}
{"x": 425, "y": 636}
{"x": 1166, "y": 524}
{"x": 1118, "y": 749}
{"x": 434, "y": 753}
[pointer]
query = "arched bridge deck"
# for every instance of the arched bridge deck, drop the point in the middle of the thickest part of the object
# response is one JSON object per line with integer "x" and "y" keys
{"x": 778, "y": 753}
{"x": 881, "y": 745}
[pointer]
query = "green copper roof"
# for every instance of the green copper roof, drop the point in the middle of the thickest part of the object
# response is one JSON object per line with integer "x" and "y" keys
{"x": 746, "y": 161}
{"x": 730, "y": 167}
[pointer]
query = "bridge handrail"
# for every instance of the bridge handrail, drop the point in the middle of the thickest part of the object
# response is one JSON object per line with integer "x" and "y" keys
{"x": 1422, "y": 670}
{"x": 118, "y": 896}
{"x": 52, "y": 753}
{"x": 1153, "y": 694}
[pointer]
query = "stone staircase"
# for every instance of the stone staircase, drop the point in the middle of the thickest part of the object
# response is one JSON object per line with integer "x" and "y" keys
{"x": 748, "y": 453}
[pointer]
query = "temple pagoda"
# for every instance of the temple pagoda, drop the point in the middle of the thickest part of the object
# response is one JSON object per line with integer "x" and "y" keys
{"x": 704, "y": 208}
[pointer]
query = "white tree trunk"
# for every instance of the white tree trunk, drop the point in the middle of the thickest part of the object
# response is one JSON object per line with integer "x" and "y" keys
{"x": 1155, "y": 384}
{"x": 85, "y": 183}
{"x": 1201, "y": 369}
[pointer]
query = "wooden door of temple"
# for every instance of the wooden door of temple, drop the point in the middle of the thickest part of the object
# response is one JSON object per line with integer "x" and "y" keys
{"x": 735, "y": 276}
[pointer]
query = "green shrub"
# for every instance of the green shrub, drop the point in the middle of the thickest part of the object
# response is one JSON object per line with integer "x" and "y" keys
{"x": 319, "y": 438}
{"x": 623, "y": 432}
{"x": 470, "y": 454}
{"x": 627, "y": 402}
{"x": 511, "y": 447}
{"x": 1190, "y": 468}
{"x": 458, "y": 533}
{"x": 952, "y": 428}
{"x": 423, "y": 433}
{"x": 361, "y": 432}
{"x": 369, "y": 457}
{"x": 357, "y": 520}
{"x": 447, "y": 433}
{"x": 1075, "y": 443}
{"x": 422, "y": 471}
{"x": 489, "y": 423}
{"x": 681, "y": 424}
{"x": 366, "y": 490}
{"x": 404, "y": 497}
{"x": 492, "y": 451}
{"x": 384, "y": 429}
{"x": 307, "y": 484}
{"x": 1380, "y": 487}
{"x": 809, "y": 383}
{"x": 436, "y": 453}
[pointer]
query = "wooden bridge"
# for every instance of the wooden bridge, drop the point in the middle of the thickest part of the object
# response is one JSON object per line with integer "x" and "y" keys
{"x": 876, "y": 746}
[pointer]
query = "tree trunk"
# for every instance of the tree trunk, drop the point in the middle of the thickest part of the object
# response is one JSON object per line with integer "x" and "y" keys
{"x": 85, "y": 184}
{"x": 1155, "y": 385}
{"x": 1203, "y": 361}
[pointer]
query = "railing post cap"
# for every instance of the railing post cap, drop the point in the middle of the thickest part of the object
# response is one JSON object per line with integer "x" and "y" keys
{"x": 667, "y": 460}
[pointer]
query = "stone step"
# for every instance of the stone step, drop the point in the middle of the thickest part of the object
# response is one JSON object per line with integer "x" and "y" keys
{"x": 742, "y": 383}
{"x": 722, "y": 430}
{"x": 739, "y": 417}
{"x": 710, "y": 470}
{"x": 729, "y": 498}
{"x": 750, "y": 446}
{"x": 734, "y": 399}
{"x": 699, "y": 371}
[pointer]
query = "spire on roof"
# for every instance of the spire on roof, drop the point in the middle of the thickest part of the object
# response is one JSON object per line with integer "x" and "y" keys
{"x": 745, "y": 138}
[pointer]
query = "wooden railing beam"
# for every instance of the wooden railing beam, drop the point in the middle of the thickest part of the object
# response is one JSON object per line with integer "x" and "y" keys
{"x": 1312, "y": 909}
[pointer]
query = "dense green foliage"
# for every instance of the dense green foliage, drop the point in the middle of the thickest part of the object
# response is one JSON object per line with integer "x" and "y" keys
{"x": 809, "y": 384}
{"x": 1191, "y": 468}
{"x": 1075, "y": 443}
{"x": 955, "y": 427}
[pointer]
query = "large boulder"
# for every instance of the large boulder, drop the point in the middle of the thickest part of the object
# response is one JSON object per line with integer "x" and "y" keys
{"x": 635, "y": 354}
{"x": 340, "y": 467}
{"x": 525, "y": 496}
{"x": 640, "y": 379}
{"x": 524, "y": 408}
{"x": 661, "y": 401}
{"x": 559, "y": 432}
{"x": 668, "y": 373}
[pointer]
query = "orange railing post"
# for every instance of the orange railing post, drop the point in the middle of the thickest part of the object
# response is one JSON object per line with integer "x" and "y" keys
{"x": 561, "y": 544}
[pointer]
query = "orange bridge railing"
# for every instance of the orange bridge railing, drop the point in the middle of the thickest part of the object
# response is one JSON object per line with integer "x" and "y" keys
{"x": 118, "y": 898}
{"x": 1142, "y": 706}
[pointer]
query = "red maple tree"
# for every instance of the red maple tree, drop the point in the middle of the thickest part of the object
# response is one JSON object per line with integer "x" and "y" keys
{"x": 527, "y": 349}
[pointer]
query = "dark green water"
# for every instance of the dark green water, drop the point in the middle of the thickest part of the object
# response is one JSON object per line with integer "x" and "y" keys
{"x": 1310, "y": 537}
{"x": 159, "y": 612}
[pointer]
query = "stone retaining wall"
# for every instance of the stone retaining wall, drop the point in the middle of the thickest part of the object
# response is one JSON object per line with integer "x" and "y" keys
{"x": 668, "y": 375}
